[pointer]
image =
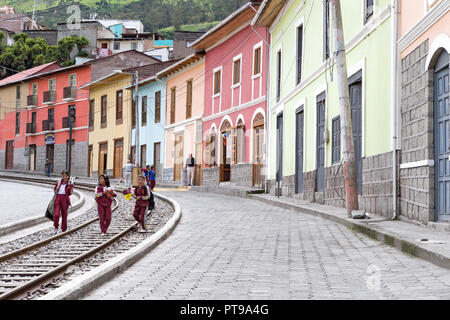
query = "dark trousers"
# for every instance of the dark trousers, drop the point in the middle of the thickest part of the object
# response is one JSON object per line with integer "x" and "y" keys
{"x": 152, "y": 184}
{"x": 139, "y": 214}
{"x": 61, "y": 207}
{"x": 104, "y": 213}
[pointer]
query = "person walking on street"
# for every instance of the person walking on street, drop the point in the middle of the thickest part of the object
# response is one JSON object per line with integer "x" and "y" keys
{"x": 152, "y": 177}
{"x": 47, "y": 167}
{"x": 64, "y": 190}
{"x": 103, "y": 196}
{"x": 128, "y": 169}
{"x": 190, "y": 165}
{"x": 142, "y": 195}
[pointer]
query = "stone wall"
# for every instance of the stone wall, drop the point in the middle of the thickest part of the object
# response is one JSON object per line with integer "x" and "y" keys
{"x": 334, "y": 191}
{"x": 309, "y": 185}
{"x": 20, "y": 161}
{"x": 79, "y": 158}
{"x": 287, "y": 186}
{"x": 417, "y": 136}
{"x": 2, "y": 159}
{"x": 210, "y": 176}
{"x": 168, "y": 177}
{"x": 242, "y": 174}
{"x": 377, "y": 185}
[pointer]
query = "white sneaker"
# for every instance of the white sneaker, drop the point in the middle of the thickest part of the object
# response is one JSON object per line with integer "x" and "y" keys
{"x": 55, "y": 231}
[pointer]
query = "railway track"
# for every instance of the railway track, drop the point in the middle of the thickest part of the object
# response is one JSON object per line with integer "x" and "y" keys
{"x": 36, "y": 265}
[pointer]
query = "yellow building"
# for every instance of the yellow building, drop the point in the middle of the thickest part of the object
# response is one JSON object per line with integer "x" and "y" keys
{"x": 110, "y": 122}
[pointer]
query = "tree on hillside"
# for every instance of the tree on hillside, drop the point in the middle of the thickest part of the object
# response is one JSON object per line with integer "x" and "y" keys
{"x": 27, "y": 52}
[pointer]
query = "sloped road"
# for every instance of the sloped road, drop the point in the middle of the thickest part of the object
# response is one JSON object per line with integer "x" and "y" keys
{"x": 232, "y": 248}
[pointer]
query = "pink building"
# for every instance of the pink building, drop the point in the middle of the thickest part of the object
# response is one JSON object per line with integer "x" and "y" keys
{"x": 235, "y": 100}
{"x": 424, "y": 115}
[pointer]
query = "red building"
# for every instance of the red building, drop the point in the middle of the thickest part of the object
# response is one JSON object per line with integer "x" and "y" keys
{"x": 42, "y": 130}
{"x": 235, "y": 99}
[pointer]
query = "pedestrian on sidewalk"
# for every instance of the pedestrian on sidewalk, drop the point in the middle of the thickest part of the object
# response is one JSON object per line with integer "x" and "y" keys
{"x": 190, "y": 166}
{"x": 128, "y": 169}
{"x": 47, "y": 167}
{"x": 142, "y": 195}
{"x": 64, "y": 190}
{"x": 103, "y": 196}
{"x": 152, "y": 177}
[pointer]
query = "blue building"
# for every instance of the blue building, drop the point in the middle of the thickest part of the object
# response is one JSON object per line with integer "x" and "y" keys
{"x": 152, "y": 117}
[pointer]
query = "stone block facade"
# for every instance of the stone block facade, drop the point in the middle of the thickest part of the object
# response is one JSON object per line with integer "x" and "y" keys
{"x": 20, "y": 161}
{"x": 210, "y": 176}
{"x": 242, "y": 175}
{"x": 417, "y": 189}
{"x": 309, "y": 185}
{"x": 334, "y": 192}
{"x": 167, "y": 175}
{"x": 287, "y": 186}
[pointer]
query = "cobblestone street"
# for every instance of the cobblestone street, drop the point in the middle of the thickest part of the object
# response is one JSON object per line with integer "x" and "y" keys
{"x": 250, "y": 250}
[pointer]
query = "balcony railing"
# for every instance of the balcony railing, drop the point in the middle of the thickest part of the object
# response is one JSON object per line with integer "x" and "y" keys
{"x": 49, "y": 97}
{"x": 32, "y": 100}
{"x": 48, "y": 125}
{"x": 31, "y": 127}
{"x": 70, "y": 93}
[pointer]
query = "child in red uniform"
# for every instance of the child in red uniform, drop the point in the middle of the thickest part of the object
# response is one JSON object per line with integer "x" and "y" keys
{"x": 63, "y": 191}
{"x": 103, "y": 196}
{"x": 142, "y": 195}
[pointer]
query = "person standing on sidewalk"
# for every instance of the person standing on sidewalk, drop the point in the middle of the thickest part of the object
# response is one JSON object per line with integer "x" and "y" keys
{"x": 64, "y": 190}
{"x": 190, "y": 165}
{"x": 152, "y": 178}
{"x": 103, "y": 196}
{"x": 128, "y": 169}
{"x": 142, "y": 195}
{"x": 47, "y": 167}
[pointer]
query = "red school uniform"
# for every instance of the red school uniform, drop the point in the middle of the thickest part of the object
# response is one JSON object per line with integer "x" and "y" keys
{"x": 62, "y": 203}
{"x": 142, "y": 203}
{"x": 104, "y": 202}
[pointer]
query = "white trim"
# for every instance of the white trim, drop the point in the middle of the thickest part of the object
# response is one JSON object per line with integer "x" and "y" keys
{"x": 298, "y": 105}
{"x": 363, "y": 10}
{"x": 184, "y": 122}
{"x": 220, "y": 140}
{"x": 259, "y": 75}
{"x": 216, "y": 95}
{"x": 317, "y": 92}
{"x": 240, "y": 117}
{"x": 55, "y": 131}
{"x": 179, "y": 128}
{"x": 234, "y": 109}
{"x": 298, "y": 24}
{"x": 257, "y": 111}
{"x": 418, "y": 164}
{"x": 432, "y": 16}
{"x": 279, "y": 50}
{"x": 213, "y": 126}
{"x": 226, "y": 117}
{"x": 441, "y": 42}
{"x": 237, "y": 85}
{"x": 361, "y": 65}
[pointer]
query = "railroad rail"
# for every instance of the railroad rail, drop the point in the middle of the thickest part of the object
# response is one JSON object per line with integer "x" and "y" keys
{"x": 28, "y": 268}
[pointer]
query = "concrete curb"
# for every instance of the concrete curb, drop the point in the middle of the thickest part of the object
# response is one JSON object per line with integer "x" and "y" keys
{"x": 78, "y": 287}
{"x": 30, "y": 222}
{"x": 375, "y": 233}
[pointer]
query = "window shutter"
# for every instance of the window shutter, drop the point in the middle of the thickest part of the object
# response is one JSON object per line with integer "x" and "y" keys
{"x": 234, "y": 146}
{"x": 207, "y": 150}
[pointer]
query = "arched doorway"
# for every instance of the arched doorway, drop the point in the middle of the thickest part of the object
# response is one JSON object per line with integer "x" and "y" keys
{"x": 226, "y": 144}
{"x": 258, "y": 151}
{"x": 441, "y": 137}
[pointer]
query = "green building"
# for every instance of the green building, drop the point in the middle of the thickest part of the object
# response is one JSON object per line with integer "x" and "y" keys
{"x": 304, "y": 140}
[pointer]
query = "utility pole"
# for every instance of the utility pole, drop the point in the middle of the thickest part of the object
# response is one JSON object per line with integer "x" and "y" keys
{"x": 351, "y": 188}
{"x": 71, "y": 120}
{"x": 34, "y": 11}
{"x": 136, "y": 90}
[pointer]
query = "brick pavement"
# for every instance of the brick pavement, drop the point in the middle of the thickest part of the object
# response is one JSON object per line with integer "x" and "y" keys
{"x": 252, "y": 250}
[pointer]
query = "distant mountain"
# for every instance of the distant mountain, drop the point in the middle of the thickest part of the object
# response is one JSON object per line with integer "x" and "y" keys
{"x": 154, "y": 14}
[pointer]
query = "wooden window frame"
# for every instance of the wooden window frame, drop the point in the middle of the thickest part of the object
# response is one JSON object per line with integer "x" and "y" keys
{"x": 144, "y": 111}
{"x": 119, "y": 107}
{"x": 299, "y": 53}
{"x": 34, "y": 89}
{"x": 257, "y": 60}
{"x": 217, "y": 82}
{"x": 133, "y": 113}
{"x": 18, "y": 123}
{"x": 157, "y": 106}
{"x": 237, "y": 76}
{"x": 189, "y": 88}
{"x": 50, "y": 81}
{"x": 72, "y": 76}
{"x": 91, "y": 114}
{"x": 104, "y": 111}
{"x": 173, "y": 97}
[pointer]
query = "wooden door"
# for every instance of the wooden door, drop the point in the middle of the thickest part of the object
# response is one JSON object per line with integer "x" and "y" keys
{"x": 227, "y": 144}
{"x": 258, "y": 154}
{"x": 102, "y": 158}
{"x": 33, "y": 157}
{"x": 9, "y": 158}
{"x": 178, "y": 165}
{"x": 118, "y": 158}
{"x": 157, "y": 157}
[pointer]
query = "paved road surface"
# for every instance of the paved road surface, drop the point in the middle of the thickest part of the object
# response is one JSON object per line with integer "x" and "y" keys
{"x": 232, "y": 248}
{"x": 19, "y": 201}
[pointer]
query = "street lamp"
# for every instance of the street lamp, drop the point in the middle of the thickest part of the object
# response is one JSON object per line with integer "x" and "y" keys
{"x": 136, "y": 89}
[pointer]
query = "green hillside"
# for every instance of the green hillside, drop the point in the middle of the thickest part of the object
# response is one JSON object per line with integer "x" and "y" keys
{"x": 155, "y": 14}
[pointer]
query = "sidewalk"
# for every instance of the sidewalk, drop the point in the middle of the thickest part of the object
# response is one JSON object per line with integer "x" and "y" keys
{"x": 429, "y": 244}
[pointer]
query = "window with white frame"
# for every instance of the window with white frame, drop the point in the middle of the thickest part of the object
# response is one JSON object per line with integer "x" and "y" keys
{"x": 257, "y": 61}
{"x": 236, "y": 71}
{"x": 34, "y": 89}
{"x": 52, "y": 85}
{"x": 134, "y": 45}
{"x": 278, "y": 93}
{"x": 368, "y": 10}
{"x": 116, "y": 46}
{"x": 217, "y": 81}
{"x": 73, "y": 80}
{"x": 299, "y": 53}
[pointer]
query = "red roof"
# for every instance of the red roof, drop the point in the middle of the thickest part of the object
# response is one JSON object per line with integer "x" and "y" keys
{"x": 26, "y": 73}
